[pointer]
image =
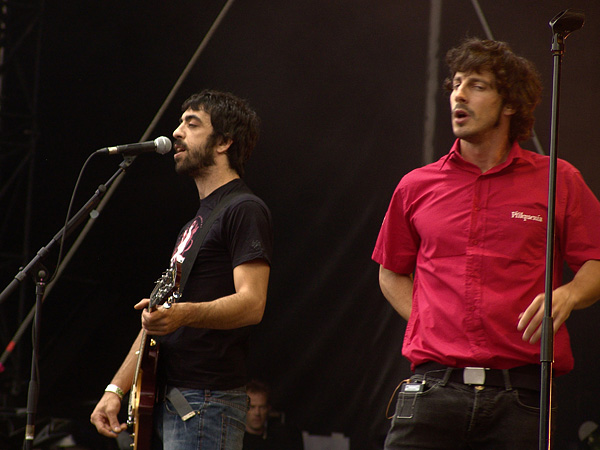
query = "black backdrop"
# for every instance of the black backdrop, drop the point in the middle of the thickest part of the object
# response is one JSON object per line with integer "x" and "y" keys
{"x": 340, "y": 86}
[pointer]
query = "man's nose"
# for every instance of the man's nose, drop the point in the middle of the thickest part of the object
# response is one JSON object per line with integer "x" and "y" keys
{"x": 460, "y": 94}
{"x": 177, "y": 133}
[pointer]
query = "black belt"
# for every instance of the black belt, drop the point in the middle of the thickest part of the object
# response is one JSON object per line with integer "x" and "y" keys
{"x": 525, "y": 377}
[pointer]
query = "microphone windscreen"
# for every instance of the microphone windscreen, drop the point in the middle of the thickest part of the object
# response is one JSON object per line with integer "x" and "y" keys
{"x": 163, "y": 145}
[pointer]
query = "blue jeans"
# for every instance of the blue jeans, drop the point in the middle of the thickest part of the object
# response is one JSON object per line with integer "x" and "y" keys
{"x": 218, "y": 424}
{"x": 455, "y": 416}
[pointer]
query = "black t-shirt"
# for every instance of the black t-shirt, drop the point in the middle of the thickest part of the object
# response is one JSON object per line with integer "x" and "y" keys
{"x": 201, "y": 358}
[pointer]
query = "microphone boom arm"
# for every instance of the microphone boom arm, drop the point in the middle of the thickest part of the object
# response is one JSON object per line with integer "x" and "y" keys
{"x": 86, "y": 210}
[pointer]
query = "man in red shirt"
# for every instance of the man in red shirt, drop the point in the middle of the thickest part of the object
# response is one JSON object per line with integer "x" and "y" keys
{"x": 462, "y": 255}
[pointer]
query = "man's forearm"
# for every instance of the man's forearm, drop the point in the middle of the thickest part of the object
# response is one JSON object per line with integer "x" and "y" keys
{"x": 124, "y": 376}
{"x": 585, "y": 286}
{"x": 397, "y": 289}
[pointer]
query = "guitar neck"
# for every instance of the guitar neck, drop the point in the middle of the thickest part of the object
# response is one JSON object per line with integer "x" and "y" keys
{"x": 136, "y": 376}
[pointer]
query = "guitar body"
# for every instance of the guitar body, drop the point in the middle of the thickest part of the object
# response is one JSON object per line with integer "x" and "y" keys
{"x": 143, "y": 392}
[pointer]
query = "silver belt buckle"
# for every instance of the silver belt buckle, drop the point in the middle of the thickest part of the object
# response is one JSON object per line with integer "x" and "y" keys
{"x": 474, "y": 375}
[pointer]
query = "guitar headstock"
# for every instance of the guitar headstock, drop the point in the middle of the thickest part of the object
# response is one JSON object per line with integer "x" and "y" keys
{"x": 167, "y": 286}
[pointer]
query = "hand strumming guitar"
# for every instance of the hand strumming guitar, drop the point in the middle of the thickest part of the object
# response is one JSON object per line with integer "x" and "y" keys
{"x": 104, "y": 416}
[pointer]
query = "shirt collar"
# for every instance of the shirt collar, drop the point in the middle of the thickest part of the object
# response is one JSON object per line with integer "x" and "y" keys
{"x": 515, "y": 156}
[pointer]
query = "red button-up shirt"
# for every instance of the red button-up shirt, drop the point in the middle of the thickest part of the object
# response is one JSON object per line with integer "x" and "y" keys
{"x": 476, "y": 244}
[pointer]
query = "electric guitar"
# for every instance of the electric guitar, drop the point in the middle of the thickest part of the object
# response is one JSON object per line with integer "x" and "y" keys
{"x": 143, "y": 391}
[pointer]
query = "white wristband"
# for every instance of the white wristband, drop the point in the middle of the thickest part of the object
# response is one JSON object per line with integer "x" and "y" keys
{"x": 115, "y": 390}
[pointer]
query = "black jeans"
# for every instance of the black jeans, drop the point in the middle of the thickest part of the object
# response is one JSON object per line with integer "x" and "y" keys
{"x": 455, "y": 416}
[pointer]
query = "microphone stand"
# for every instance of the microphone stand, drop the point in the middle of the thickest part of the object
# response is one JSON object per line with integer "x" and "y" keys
{"x": 77, "y": 219}
{"x": 562, "y": 25}
{"x": 40, "y": 281}
{"x": 33, "y": 391}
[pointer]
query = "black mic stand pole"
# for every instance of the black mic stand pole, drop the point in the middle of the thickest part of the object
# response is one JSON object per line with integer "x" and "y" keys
{"x": 33, "y": 391}
{"x": 41, "y": 276}
{"x": 562, "y": 25}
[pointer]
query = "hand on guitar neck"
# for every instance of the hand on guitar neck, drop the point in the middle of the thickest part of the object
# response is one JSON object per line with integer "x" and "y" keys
{"x": 158, "y": 321}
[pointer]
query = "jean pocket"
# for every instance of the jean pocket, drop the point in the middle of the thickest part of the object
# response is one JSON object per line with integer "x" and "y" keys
{"x": 232, "y": 433}
{"x": 234, "y": 399}
{"x": 170, "y": 407}
{"x": 527, "y": 399}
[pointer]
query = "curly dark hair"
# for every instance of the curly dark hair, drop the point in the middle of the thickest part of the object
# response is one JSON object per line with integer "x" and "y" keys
{"x": 232, "y": 119}
{"x": 517, "y": 80}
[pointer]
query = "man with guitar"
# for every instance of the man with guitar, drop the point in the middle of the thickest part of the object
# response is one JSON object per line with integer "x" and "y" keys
{"x": 200, "y": 335}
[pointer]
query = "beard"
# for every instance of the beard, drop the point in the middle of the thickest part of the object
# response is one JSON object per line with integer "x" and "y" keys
{"x": 195, "y": 161}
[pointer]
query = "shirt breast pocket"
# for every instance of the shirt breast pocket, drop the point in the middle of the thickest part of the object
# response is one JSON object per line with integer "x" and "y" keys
{"x": 518, "y": 232}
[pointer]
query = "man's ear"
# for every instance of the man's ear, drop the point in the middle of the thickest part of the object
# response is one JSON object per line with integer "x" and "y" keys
{"x": 509, "y": 110}
{"x": 224, "y": 145}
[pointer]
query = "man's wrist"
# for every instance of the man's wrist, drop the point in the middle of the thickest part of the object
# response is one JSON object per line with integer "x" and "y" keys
{"x": 115, "y": 390}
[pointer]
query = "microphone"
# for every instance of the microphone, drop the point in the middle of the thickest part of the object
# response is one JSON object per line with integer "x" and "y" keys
{"x": 159, "y": 145}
